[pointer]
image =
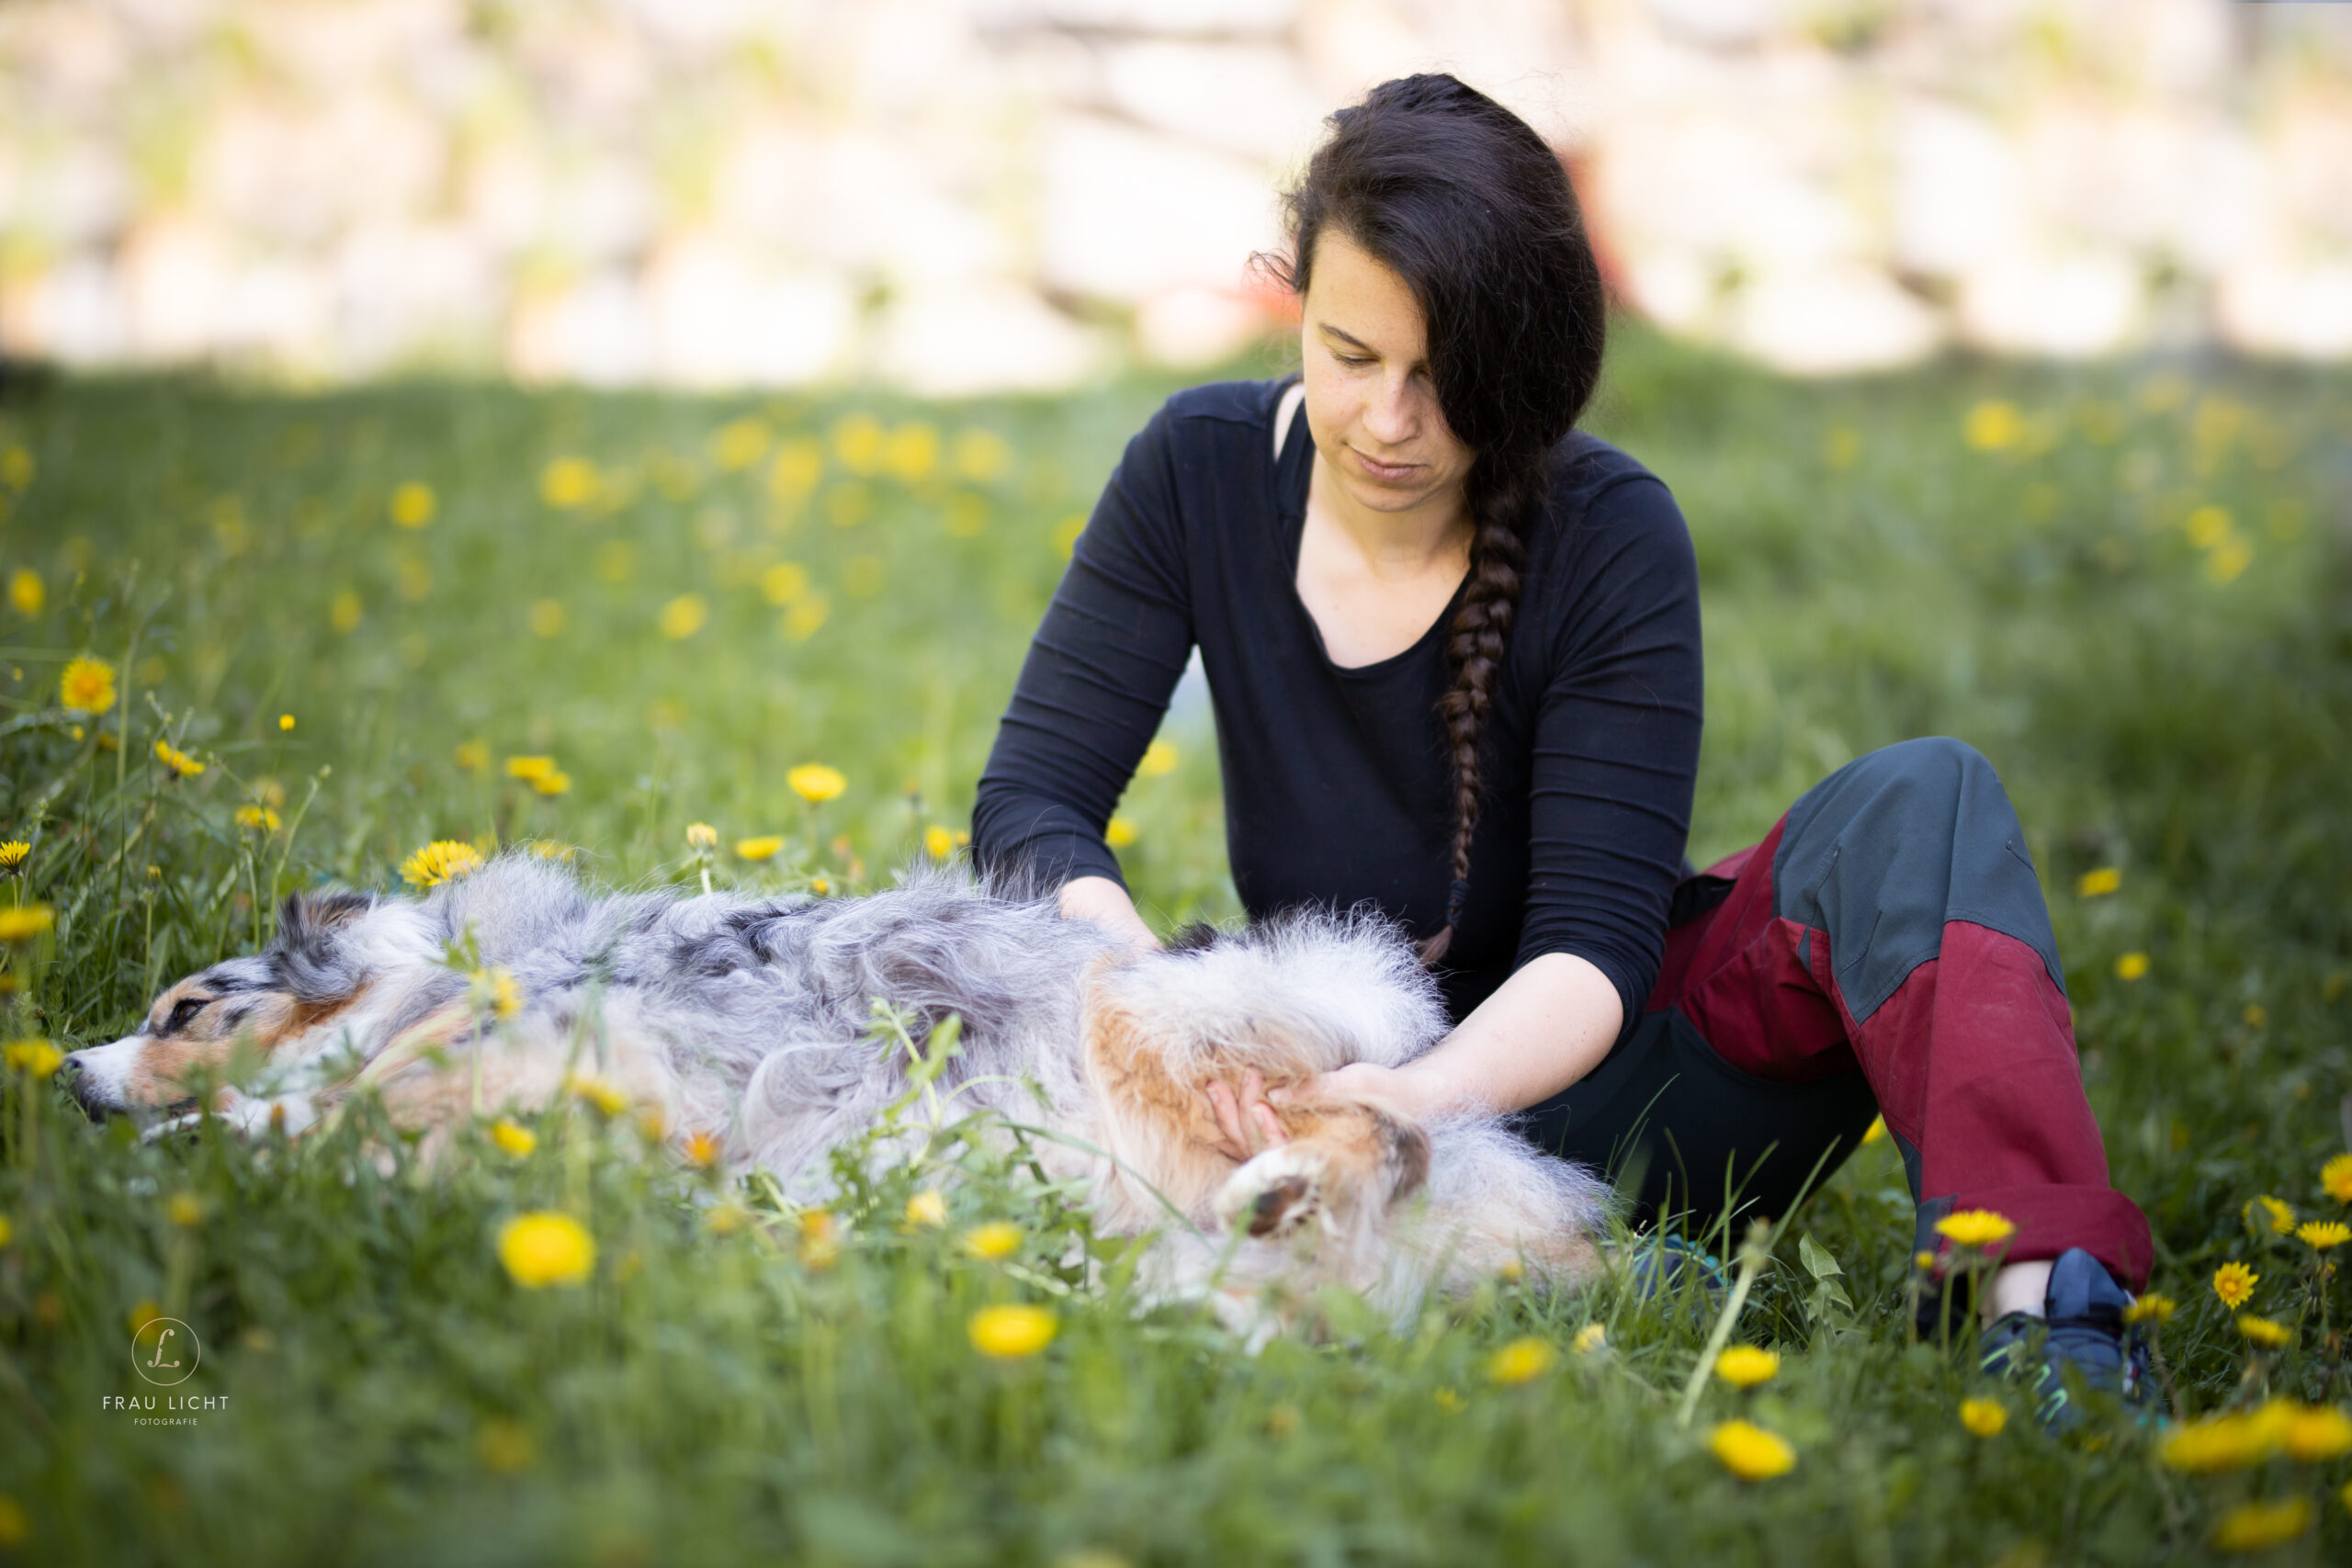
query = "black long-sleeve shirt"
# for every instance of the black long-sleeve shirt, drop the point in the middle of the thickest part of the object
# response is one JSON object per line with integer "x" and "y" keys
{"x": 1337, "y": 786}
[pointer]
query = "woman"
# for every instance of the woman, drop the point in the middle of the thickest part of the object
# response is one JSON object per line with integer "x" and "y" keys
{"x": 1452, "y": 646}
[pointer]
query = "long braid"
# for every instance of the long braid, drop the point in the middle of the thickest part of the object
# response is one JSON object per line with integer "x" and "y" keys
{"x": 1481, "y": 640}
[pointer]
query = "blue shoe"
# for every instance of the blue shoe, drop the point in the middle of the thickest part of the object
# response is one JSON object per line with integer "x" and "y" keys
{"x": 2081, "y": 1333}
{"x": 1661, "y": 1264}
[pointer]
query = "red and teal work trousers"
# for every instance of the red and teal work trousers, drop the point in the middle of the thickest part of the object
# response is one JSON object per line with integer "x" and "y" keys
{"x": 1885, "y": 950}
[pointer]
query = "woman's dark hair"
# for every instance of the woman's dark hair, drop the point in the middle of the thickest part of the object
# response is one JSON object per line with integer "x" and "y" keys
{"x": 1461, "y": 198}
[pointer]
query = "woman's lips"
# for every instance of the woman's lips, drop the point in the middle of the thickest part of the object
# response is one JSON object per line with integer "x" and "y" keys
{"x": 1386, "y": 473}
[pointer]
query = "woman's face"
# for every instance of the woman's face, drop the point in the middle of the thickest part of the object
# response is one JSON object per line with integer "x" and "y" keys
{"x": 1370, "y": 401}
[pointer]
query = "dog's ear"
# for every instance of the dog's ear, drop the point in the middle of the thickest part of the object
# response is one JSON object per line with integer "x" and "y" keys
{"x": 305, "y": 951}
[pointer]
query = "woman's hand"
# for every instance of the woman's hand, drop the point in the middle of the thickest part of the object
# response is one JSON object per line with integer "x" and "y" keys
{"x": 1249, "y": 1122}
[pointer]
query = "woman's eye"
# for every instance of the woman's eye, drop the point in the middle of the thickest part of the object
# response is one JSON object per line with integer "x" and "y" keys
{"x": 1351, "y": 359}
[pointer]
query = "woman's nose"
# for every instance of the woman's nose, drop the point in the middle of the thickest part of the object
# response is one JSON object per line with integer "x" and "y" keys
{"x": 1390, "y": 415}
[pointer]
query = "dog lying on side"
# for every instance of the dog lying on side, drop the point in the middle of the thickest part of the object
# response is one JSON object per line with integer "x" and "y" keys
{"x": 750, "y": 1019}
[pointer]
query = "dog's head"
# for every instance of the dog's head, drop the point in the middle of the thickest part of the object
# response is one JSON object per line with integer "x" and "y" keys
{"x": 289, "y": 1004}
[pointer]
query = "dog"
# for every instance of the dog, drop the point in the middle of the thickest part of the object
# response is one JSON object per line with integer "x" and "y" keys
{"x": 750, "y": 1021}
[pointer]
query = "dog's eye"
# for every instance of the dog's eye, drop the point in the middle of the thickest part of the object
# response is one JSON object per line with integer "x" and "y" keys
{"x": 187, "y": 1010}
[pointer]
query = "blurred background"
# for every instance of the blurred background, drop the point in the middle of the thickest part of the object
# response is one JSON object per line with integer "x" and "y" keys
{"x": 961, "y": 196}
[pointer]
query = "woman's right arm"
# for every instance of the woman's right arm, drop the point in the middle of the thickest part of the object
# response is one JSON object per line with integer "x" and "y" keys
{"x": 1091, "y": 693}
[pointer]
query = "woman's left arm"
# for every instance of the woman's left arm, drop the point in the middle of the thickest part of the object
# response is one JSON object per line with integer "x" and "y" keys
{"x": 1616, "y": 750}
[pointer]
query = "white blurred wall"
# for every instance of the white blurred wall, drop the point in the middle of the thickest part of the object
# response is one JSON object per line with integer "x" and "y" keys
{"x": 961, "y": 195}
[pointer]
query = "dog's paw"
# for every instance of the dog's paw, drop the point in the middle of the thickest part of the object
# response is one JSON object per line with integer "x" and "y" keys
{"x": 1274, "y": 1194}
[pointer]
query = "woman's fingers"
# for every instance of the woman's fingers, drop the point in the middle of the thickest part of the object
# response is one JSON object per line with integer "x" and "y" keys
{"x": 1245, "y": 1123}
{"x": 1234, "y": 1142}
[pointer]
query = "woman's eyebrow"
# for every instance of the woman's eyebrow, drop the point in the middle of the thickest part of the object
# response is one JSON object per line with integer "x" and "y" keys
{"x": 1349, "y": 338}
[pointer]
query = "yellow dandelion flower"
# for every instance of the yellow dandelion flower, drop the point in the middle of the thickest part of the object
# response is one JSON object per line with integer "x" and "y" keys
{"x": 567, "y": 483}
{"x": 1520, "y": 1361}
{"x": 1592, "y": 1337}
{"x": 497, "y": 989}
{"x": 703, "y": 1148}
{"x": 981, "y": 455}
{"x": 2132, "y": 966}
{"x": 2278, "y": 1215}
{"x": 816, "y": 783}
{"x": 821, "y": 1238}
{"x": 25, "y": 591}
{"x": 2218, "y": 1443}
{"x": 684, "y": 616}
{"x": 1120, "y": 833}
{"x": 34, "y": 1056}
{"x": 25, "y": 923}
{"x": 2151, "y": 1308}
{"x": 2258, "y": 1527}
{"x": 504, "y": 1448}
{"x": 344, "y": 611}
{"x": 783, "y": 583}
{"x": 471, "y": 756}
{"x": 1750, "y": 1452}
{"x": 761, "y": 847}
{"x": 2336, "y": 1178}
{"x": 2234, "y": 1283}
{"x": 443, "y": 860}
{"x": 701, "y": 836}
{"x": 87, "y": 685}
{"x": 2265, "y": 1332}
{"x": 529, "y": 769}
{"x": 1875, "y": 1133}
{"x": 998, "y": 1238}
{"x": 1975, "y": 1227}
{"x": 552, "y": 784}
{"x": 911, "y": 453}
{"x": 1745, "y": 1366}
{"x": 938, "y": 842}
{"x": 513, "y": 1136}
{"x": 544, "y": 617}
{"x": 13, "y": 853}
{"x": 546, "y": 1248}
{"x": 2316, "y": 1435}
{"x": 2321, "y": 1234}
{"x": 260, "y": 818}
{"x": 1992, "y": 427}
{"x": 141, "y": 1313}
{"x": 414, "y": 504}
{"x": 1011, "y": 1333}
{"x": 605, "y": 1097}
{"x": 285, "y": 721}
{"x": 740, "y": 444}
{"x": 807, "y": 616}
{"x": 8, "y": 1230}
{"x": 799, "y": 463}
{"x": 185, "y": 1211}
{"x": 821, "y": 885}
{"x": 1160, "y": 760}
{"x": 1986, "y": 1417}
{"x": 927, "y": 1209}
{"x": 177, "y": 763}
{"x": 2098, "y": 884}
{"x": 2255, "y": 1015}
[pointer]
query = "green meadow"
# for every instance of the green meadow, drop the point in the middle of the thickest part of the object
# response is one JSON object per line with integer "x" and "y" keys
{"x": 385, "y": 616}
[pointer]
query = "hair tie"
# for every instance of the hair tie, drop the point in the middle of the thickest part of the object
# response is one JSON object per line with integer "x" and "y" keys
{"x": 1455, "y": 898}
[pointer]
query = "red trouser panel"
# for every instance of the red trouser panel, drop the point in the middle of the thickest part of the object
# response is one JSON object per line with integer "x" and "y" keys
{"x": 1972, "y": 1059}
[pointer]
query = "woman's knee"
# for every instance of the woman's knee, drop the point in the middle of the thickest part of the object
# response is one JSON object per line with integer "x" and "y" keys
{"x": 1886, "y": 850}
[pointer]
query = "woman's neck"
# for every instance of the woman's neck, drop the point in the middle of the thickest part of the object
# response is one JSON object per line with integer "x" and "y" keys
{"x": 1432, "y": 536}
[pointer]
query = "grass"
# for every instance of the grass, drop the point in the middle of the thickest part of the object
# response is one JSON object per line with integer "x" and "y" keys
{"x": 2128, "y": 586}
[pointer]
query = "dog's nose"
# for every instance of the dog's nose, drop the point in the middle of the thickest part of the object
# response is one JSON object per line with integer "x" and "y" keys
{"x": 77, "y": 1084}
